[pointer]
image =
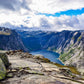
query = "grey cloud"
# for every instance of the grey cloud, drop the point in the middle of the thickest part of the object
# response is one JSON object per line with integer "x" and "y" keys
{"x": 7, "y": 25}
{"x": 44, "y": 23}
{"x": 7, "y": 4}
{"x": 14, "y": 5}
{"x": 73, "y": 23}
{"x": 69, "y": 22}
{"x": 25, "y": 4}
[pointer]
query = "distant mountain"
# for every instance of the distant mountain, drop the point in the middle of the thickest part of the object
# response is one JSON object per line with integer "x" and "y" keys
{"x": 10, "y": 40}
{"x": 70, "y": 44}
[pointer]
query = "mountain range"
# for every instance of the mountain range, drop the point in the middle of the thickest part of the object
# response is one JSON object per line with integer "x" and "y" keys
{"x": 69, "y": 44}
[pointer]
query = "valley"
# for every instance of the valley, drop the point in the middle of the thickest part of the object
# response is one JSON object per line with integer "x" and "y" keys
{"x": 69, "y": 44}
{"x": 57, "y": 56}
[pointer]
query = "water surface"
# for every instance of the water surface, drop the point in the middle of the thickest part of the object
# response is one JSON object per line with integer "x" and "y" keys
{"x": 52, "y": 56}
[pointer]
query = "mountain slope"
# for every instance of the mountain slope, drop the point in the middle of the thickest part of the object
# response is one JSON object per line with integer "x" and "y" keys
{"x": 73, "y": 53}
{"x": 10, "y": 40}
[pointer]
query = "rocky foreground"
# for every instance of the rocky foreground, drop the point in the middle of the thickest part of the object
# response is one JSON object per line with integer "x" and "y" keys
{"x": 28, "y": 69}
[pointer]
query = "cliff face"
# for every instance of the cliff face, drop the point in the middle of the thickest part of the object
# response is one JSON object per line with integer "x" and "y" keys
{"x": 10, "y": 40}
{"x": 69, "y": 44}
{"x": 73, "y": 53}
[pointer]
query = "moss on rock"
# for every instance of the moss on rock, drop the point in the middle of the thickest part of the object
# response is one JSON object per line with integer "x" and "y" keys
{"x": 4, "y": 58}
{"x": 2, "y": 70}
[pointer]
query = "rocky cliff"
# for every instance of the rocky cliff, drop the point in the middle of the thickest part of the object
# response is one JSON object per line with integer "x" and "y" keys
{"x": 10, "y": 40}
{"x": 73, "y": 53}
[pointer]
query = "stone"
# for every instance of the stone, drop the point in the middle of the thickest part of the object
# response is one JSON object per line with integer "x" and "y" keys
{"x": 9, "y": 75}
{"x": 2, "y": 70}
{"x": 38, "y": 56}
{"x": 5, "y": 60}
{"x": 50, "y": 67}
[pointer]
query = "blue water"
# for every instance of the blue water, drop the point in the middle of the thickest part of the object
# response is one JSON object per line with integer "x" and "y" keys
{"x": 52, "y": 56}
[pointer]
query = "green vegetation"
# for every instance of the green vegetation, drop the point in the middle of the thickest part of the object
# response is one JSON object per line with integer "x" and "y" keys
{"x": 79, "y": 38}
{"x": 73, "y": 38}
{"x": 2, "y": 75}
{"x": 66, "y": 56}
{"x": 72, "y": 69}
{"x": 2, "y": 70}
{"x": 28, "y": 68}
{"x": 46, "y": 60}
{"x": 71, "y": 45}
{"x": 79, "y": 48}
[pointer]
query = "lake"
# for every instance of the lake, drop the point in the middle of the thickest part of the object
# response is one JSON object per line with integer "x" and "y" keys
{"x": 52, "y": 56}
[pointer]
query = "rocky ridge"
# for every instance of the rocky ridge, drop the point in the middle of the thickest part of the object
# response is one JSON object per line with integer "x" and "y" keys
{"x": 28, "y": 69}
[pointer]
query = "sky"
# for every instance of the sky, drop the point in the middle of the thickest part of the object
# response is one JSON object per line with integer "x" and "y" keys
{"x": 52, "y": 15}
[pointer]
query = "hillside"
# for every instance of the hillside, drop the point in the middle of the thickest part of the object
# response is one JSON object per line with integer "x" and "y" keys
{"x": 73, "y": 53}
{"x": 10, "y": 40}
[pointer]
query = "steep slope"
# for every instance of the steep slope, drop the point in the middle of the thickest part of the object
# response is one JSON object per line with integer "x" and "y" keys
{"x": 73, "y": 53}
{"x": 10, "y": 40}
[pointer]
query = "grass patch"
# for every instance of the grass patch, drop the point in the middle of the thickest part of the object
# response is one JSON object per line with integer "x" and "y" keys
{"x": 65, "y": 56}
{"x": 72, "y": 69}
{"x": 73, "y": 38}
{"x": 79, "y": 38}
{"x": 79, "y": 48}
{"x": 46, "y": 60}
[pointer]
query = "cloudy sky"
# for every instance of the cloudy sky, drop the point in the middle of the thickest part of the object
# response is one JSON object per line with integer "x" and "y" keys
{"x": 55, "y": 15}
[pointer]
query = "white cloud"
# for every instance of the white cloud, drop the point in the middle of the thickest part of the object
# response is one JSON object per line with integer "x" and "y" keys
{"x": 14, "y": 13}
{"x": 43, "y": 22}
{"x": 53, "y": 6}
{"x": 62, "y": 23}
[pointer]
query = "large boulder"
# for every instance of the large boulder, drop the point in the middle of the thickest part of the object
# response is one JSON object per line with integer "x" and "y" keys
{"x": 2, "y": 70}
{"x": 4, "y": 58}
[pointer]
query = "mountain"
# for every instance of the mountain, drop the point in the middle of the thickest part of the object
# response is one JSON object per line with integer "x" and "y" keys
{"x": 10, "y": 40}
{"x": 36, "y": 40}
{"x": 69, "y": 44}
